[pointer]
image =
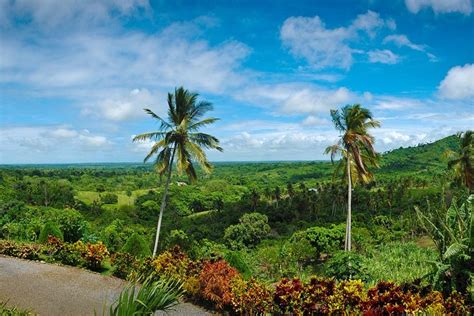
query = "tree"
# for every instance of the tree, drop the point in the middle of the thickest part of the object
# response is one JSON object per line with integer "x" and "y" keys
{"x": 252, "y": 228}
{"x": 463, "y": 161}
{"x": 356, "y": 146}
{"x": 179, "y": 137}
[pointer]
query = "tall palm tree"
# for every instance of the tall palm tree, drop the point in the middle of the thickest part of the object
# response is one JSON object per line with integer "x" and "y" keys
{"x": 356, "y": 147}
{"x": 179, "y": 136}
{"x": 463, "y": 161}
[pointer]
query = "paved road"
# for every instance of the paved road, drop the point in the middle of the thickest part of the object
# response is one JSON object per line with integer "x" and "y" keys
{"x": 51, "y": 290}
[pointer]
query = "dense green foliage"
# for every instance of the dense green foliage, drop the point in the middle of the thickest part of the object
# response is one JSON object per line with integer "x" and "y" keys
{"x": 269, "y": 220}
{"x": 49, "y": 229}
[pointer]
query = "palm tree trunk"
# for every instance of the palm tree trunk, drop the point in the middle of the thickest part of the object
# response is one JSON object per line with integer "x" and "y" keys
{"x": 163, "y": 204}
{"x": 348, "y": 244}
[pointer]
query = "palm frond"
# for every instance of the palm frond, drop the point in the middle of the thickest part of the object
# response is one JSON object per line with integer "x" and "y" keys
{"x": 163, "y": 124}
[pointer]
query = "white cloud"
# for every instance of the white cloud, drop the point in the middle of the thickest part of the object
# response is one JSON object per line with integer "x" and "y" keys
{"x": 63, "y": 133}
{"x": 401, "y": 40}
{"x": 440, "y": 6}
{"x": 35, "y": 144}
{"x": 126, "y": 106}
{"x": 396, "y": 103}
{"x": 458, "y": 83}
{"x": 50, "y": 14}
{"x": 314, "y": 121}
{"x": 309, "y": 38}
{"x": 383, "y": 56}
{"x": 296, "y": 98}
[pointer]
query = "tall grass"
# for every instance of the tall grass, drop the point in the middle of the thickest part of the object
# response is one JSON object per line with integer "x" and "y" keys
{"x": 399, "y": 262}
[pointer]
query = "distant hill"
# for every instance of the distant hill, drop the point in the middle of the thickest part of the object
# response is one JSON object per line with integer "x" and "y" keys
{"x": 421, "y": 158}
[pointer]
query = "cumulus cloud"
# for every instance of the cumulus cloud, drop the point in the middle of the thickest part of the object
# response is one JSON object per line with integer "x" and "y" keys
{"x": 458, "y": 83}
{"x": 440, "y": 6}
{"x": 49, "y": 144}
{"x": 383, "y": 56}
{"x": 309, "y": 38}
{"x": 126, "y": 106}
{"x": 296, "y": 98}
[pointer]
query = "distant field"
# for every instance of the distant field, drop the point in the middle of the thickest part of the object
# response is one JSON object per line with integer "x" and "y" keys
{"x": 89, "y": 197}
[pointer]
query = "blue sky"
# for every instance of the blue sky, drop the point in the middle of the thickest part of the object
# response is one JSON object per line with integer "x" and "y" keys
{"x": 75, "y": 75}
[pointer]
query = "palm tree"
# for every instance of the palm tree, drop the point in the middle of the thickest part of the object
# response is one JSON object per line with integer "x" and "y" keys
{"x": 356, "y": 146}
{"x": 179, "y": 137}
{"x": 463, "y": 161}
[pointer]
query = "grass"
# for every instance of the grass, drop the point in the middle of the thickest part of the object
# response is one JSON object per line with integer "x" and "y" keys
{"x": 13, "y": 311}
{"x": 123, "y": 199}
{"x": 399, "y": 262}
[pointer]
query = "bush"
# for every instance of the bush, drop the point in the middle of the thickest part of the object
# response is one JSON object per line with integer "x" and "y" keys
{"x": 70, "y": 254}
{"x": 109, "y": 198}
{"x": 252, "y": 228}
{"x": 50, "y": 229}
{"x": 20, "y": 250}
{"x": 324, "y": 240}
{"x": 215, "y": 282}
{"x": 124, "y": 264}
{"x": 251, "y": 297}
{"x": 346, "y": 265}
{"x": 94, "y": 255}
{"x": 72, "y": 224}
{"x": 136, "y": 246}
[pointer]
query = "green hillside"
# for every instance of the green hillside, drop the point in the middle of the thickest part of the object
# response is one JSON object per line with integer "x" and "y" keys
{"x": 424, "y": 158}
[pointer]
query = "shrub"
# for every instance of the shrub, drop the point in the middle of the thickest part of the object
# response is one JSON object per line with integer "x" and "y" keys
{"x": 136, "y": 246}
{"x": 251, "y": 297}
{"x": 72, "y": 224}
{"x": 324, "y": 240}
{"x": 172, "y": 263}
{"x": 70, "y": 254}
{"x": 288, "y": 296}
{"x": 347, "y": 297}
{"x": 346, "y": 265}
{"x": 124, "y": 264}
{"x": 215, "y": 283}
{"x": 50, "y": 229}
{"x": 23, "y": 251}
{"x": 94, "y": 255}
{"x": 109, "y": 198}
{"x": 252, "y": 228}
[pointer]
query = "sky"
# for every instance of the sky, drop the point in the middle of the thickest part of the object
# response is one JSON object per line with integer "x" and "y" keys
{"x": 75, "y": 75}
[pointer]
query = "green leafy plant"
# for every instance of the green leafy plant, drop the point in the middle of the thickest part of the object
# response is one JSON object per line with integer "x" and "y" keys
{"x": 252, "y": 228}
{"x": 451, "y": 229}
{"x": 147, "y": 298}
{"x": 49, "y": 229}
{"x": 137, "y": 246}
{"x": 346, "y": 265}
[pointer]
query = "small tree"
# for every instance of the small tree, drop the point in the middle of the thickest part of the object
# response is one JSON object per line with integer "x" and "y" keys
{"x": 137, "y": 246}
{"x": 252, "y": 228}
